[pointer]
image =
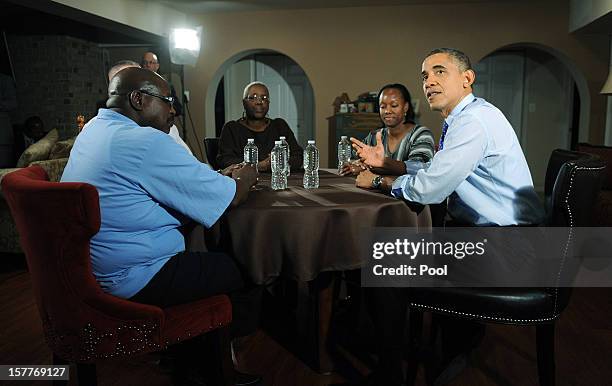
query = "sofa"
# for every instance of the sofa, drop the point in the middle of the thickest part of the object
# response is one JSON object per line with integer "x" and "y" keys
{"x": 602, "y": 215}
{"x": 52, "y": 155}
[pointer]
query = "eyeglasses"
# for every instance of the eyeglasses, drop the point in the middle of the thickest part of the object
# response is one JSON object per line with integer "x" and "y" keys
{"x": 260, "y": 98}
{"x": 168, "y": 99}
{"x": 145, "y": 62}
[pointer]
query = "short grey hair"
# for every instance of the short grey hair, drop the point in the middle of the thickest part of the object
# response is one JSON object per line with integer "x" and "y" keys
{"x": 248, "y": 86}
{"x": 461, "y": 59}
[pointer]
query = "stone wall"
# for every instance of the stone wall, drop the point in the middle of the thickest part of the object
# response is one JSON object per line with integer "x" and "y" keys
{"x": 58, "y": 78}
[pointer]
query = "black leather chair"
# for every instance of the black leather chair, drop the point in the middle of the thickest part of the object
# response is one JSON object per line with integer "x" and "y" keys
{"x": 572, "y": 183}
{"x": 211, "y": 145}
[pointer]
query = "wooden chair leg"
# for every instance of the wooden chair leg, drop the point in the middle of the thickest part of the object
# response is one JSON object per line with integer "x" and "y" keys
{"x": 219, "y": 368}
{"x": 415, "y": 331}
{"x": 545, "y": 342}
{"x": 86, "y": 374}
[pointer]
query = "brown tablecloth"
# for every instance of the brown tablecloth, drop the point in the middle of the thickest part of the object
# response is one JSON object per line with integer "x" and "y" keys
{"x": 298, "y": 233}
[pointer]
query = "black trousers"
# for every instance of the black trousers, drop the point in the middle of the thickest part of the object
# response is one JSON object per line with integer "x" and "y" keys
{"x": 190, "y": 276}
{"x": 388, "y": 307}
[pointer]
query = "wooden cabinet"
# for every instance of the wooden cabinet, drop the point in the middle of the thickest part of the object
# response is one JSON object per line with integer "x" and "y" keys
{"x": 357, "y": 125}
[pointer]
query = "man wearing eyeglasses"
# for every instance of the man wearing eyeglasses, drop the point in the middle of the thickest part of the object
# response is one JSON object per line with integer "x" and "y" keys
{"x": 150, "y": 62}
{"x": 149, "y": 188}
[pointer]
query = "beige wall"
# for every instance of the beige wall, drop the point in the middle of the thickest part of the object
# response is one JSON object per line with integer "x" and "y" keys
{"x": 359, "y": 49}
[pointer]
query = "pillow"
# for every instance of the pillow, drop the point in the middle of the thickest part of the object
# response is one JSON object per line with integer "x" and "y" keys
{"x": 61, "y": 149}
{"x": 53, "y": 167}
{"x": 38, "y": 151}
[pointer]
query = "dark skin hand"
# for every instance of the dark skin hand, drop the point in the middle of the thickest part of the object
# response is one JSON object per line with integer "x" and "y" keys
{"x": 228, "y": 170}
{"x": 353, "y": 168}
{"x": 245, "y": 177}
{"x": 265, "y": 165}
{"x": 374, "y": 157}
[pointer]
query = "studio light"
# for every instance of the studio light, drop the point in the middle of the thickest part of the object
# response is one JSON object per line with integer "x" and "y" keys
{"x": 185, "y": 45}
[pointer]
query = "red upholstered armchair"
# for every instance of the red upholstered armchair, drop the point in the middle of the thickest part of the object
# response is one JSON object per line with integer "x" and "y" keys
{"x": 83, "y": 324}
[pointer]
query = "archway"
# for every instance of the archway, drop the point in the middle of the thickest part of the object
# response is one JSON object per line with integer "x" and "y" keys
{"x": 543, "y": 95}
{"x": 291, "y": 93}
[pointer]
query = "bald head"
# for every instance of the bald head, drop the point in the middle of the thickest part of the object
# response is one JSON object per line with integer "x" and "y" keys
{"x": 120, "y": 65}
{"x": 135, "y": 78}
{"x": 141, "y": 95}
{"x": 150, "y": 61}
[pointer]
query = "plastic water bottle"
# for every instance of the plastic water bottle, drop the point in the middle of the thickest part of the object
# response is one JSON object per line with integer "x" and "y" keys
{"x": 251, "y": 153}
{"x": 344, "y": 152}
{"x": 279, "y": 175}
{"x": 311, "y": 166}
{"x": 285, "y": 146}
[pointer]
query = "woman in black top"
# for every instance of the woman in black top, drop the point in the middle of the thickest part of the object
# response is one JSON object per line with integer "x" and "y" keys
{"x": 254, "y": 124}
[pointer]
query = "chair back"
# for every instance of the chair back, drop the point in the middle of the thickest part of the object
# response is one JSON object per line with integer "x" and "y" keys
{"x": 211, "y": 144}
{"x": 573, "y": 181}
{"x": 605, "y": 154}
{"x": 55, "y": 222}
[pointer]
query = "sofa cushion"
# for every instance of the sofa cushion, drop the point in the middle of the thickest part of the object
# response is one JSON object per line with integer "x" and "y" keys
{"x": 40, "y": 150}
{"x": 61, "y": 149}
{"x": 53, "y": 167}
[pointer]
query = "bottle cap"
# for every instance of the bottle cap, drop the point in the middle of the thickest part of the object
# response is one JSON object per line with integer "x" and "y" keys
{"x": 277, "y": 142}
{"x": 250, "y": 140}
{"x": 344, "y": 137}
{"x": 282, "y": 137}
{"x": 311, "y": 141}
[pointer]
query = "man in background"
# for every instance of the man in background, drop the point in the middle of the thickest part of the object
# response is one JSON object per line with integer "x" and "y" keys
{"x": 150, "y": 62}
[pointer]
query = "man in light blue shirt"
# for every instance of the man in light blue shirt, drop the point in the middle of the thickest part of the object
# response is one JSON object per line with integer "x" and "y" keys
{"x": 149, "y": 188}
{"x": 481, "y": 168}
{"x": 480, "y": 165}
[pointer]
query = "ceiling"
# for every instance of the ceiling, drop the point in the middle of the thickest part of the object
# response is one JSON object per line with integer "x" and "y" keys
{"x": 214, "y": 6}
{"x": 43, "y": 17}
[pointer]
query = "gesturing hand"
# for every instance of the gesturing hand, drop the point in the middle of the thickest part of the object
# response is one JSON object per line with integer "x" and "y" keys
{"x": 373, "y": 156}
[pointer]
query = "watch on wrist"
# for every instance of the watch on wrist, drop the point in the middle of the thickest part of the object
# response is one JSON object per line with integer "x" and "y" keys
{"x": 377, "y": 182}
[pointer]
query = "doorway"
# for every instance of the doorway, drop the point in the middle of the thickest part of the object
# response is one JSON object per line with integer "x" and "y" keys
{"x": 537, "y": 94}
{"x": 291, "y": 95}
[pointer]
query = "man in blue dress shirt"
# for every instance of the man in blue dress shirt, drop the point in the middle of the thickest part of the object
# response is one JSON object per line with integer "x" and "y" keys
{"x": 150, "y": 188}
{"x": 481, "y": 169}
{"x": 479, "y": 165}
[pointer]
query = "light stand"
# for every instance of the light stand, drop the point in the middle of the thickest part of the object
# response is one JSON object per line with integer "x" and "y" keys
{"x": 184, "y": 100}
